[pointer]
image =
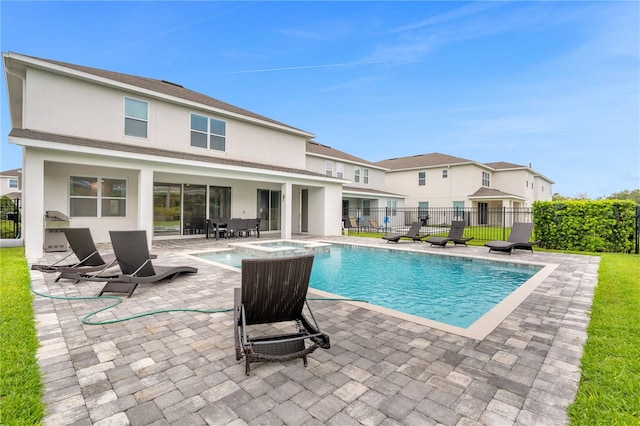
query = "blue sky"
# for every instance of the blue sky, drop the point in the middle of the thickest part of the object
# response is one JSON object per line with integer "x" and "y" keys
{"x": 554, "y": 84}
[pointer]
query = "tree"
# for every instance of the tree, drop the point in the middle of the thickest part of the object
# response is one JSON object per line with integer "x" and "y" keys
{"x": 633, "y": 195}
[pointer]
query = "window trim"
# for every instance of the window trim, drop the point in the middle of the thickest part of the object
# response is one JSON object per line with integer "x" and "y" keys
{"x": 209, "y": 132}
{"x": 143, "y": 120}
{"x": 13, "y": 183}
{"x": 486, "y": 179}
{"x": 328, "y": 167}
{"x": 99, "y": 197}
{"x": 422, "y": 178}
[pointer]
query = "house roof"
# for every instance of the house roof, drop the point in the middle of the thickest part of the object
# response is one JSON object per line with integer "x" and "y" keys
{"x": 484, "y": 192}
{"x": 369, "y": 192}
{"x": 159, "y": 86}
{"x": 11, "y": 173}
{"x": 321, "y": 150}
{"x": 422, "y": 160}
{"x": 111, "y": 146}
{"x": 498, "y": 165}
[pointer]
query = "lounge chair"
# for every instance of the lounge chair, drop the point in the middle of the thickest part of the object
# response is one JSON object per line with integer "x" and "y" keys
{"x": 83, "y": 247}
{"x": 518, "y": 239}
{"x": 374, "y": 225}
{"x": 413, "y": 233}
{"x": 455, "y": 236}
{"x": 132, "y": 255}
{"x": 274, "y": 290}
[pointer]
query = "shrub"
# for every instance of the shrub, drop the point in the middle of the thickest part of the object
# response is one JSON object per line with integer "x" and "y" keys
{"x": 585, "y": 225}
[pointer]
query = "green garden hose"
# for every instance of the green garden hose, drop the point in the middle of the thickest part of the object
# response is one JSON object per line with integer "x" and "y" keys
{"x": 118, "y": 300}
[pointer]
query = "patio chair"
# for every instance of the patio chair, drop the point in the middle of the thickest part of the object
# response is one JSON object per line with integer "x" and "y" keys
{"x": 374, "y": 225}
{"x": 274, "y": 290}
{"x": 232, "y": 227}
{"x": 83, "y": 247}
{"x": 518, "y": 239}
{"x": 413, "y": 233}
{"x": 132, "y": 255}
{"x": 455, "y": 236}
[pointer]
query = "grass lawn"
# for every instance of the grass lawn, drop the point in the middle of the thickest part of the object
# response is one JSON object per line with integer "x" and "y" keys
{"x": 609, "y": 391}
{"x": 20, "y": 382}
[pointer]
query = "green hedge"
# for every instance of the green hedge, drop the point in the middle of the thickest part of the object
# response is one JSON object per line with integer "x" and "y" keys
{"x": 586, "y": 225}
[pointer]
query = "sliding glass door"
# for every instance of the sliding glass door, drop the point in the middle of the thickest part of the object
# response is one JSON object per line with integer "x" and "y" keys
{"x": 167, "y": 208}
{"x": 268, "y": 210}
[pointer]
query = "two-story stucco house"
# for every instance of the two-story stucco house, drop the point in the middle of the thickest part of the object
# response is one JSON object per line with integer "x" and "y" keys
{"x": 439, "y": 180}
{"x": 116, "y": 151}
{"x": 366, "y": 190}
{"x": 10, "y": 183}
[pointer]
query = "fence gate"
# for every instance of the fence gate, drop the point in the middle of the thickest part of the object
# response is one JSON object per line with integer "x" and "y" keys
{"x": 10, "y": 222}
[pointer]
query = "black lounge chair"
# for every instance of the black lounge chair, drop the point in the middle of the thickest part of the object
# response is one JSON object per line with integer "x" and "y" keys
{"x": 83, "y": 247}
{"x": 274, "y": 290}
{"x": 518, "y": 239}
{"x": 132, "y": 255}
{"x": 413, "y": 233}
{"x": 455, "y": 236}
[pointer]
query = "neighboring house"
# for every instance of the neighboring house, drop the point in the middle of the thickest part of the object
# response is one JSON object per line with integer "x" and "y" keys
{"x": 365, "y": 193}
{"x": 116, "y": 151}
{"x": 444, "y": 181}
{"x": 10, "y": 183}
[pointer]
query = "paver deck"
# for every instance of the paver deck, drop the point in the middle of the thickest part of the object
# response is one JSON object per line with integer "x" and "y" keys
{"x": 179, "y": 368}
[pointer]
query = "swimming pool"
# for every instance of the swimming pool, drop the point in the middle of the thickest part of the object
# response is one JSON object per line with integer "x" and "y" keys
{"x": 456, "y": 291}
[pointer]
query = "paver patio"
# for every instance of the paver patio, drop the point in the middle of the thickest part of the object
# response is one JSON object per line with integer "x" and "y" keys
{"x": 179, "y": 368}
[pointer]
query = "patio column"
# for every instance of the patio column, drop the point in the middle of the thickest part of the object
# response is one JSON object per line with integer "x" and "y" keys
{"x": 145, "y": 202}
{"x": 286, "y": 210}
{"x": 33, "y": 204}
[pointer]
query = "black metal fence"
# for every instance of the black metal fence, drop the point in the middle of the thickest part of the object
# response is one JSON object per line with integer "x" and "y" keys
{"x": 484, "y": 224}
{"x": 10, "y": 222}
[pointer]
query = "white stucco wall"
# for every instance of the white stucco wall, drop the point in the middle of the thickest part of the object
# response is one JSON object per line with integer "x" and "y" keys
{"x": 58, "y": 104}
{"x": 461, "y": 182}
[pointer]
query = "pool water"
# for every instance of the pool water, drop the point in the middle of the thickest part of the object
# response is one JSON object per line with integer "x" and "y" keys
{"x": 452, "y": 290}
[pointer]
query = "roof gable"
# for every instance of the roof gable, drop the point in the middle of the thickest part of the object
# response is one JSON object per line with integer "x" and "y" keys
{"x": 326, "y": 151}
{"x": 422, "y": 160}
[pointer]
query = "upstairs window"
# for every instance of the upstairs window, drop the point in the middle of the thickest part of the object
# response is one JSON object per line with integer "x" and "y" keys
{"x": 422, "y": 178}
{"x": 356, "y": 174}
{"x": 328, "y": 167}
{"x": 445, "y": 174}
{"x": 339, "y": 170}
{"x": 485, "y": 179}
{"x": 13, "y": 183}
{"x": 208, "y": 133}
{"x": 136, "y": 116}
{"x": 97, "y": 197}
{"x": 366, "y": 176}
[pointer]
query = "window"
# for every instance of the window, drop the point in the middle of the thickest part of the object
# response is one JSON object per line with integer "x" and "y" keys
{"x": 219, "y": 201}
{"x": 366, "y": 207}
{"x": 392, "y": 205}
{"x": 328, "y": 167}
{"x": 445, "y": 174}
{"x": 366, "y": 176}
{"x": 97, "y": 197}
{"x": 339, "y": 170}
{"x": 422, "y": 178}
{"x": 13, "y": 183}
{"x": 356, "y": 174}
{"x": 208, "y": 133}
{"x": 485, "y": 179}
{"x": 136, "y": 115}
